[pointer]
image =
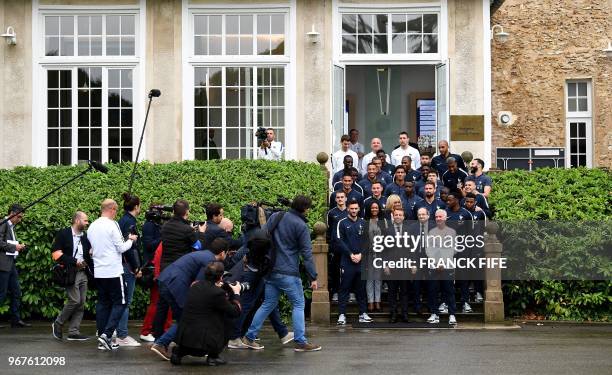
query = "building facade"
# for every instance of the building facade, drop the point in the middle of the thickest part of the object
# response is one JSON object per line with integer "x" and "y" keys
{"x": 75, "y": 84}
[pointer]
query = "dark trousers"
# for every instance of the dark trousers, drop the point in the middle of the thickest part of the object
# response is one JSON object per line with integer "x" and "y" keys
{"x": 250, "y": 301}
{"x": 441, "y": 281}
{"x": 9, "y": 283}
{"x": 464, "y": 287}
{"x": 111, "y": 304}
{"x": 350, "y": 279}
{"x": 334, "y": 271}
{"x": 159, "y": 321}
{"x": 398, "y": 287}
{"x": 416, "y": 289}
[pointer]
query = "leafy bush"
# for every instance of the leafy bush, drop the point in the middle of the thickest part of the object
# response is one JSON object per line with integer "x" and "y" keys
{"x": 231, "y": 183}
{"x": 559, "y": 195}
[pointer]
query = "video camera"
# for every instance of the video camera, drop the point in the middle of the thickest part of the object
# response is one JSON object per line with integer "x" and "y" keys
{"x": 156, "y": 213}
{"x": 249, "y": 213}
{"x": 261, "y": 135}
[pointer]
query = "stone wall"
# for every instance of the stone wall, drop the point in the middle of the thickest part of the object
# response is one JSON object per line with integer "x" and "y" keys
{"x": 550, "y": 42}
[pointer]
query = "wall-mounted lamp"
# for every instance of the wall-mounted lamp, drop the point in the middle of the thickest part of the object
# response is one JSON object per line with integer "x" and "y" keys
{"x": 313, "y": 35}
{"x": 10, "y": 36}
{"x": 501, "y": 35}
{"x": 608, "y": 50}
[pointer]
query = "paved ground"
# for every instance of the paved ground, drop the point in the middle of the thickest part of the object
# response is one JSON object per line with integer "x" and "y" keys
{"x": 548, "y": 349}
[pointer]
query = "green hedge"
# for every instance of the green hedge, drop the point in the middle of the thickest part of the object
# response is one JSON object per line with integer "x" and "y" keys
{"x": 231, "y": 183}
{"x": 558, "y": 195}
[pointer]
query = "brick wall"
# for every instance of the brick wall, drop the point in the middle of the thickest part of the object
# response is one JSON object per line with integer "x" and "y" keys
{"x": 551, "y": 41}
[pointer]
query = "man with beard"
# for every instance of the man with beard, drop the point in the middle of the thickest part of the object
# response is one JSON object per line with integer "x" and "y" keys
{"x": 454, "y": 177}
{"x": 399, "y": 178}
{"x": 347, "y": 187}
{"x": 483, "y": 182}
{"x": 430, "y": 202}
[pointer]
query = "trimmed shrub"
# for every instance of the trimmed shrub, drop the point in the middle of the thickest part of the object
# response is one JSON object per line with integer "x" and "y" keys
{"x": 570, "y": 195}
{"x": 231, "y": 183}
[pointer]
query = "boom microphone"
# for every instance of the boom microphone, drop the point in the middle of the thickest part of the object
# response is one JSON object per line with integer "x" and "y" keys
{"x": 154, "y": 93}
{"x": 97, "y": 166}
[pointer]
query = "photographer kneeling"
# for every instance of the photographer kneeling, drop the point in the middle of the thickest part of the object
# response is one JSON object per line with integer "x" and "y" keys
{"x": 207, "y": 317}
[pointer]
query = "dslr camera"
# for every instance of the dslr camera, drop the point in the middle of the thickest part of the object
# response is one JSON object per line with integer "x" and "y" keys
{"x": 261, "y": 135}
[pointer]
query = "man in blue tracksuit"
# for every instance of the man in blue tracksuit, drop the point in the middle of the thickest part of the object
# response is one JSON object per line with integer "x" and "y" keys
{"x": 351, "y": 240}
{"x": 409, "y": 200}
{"x": 347, "y": 187}
{"x": 430, "y": 202}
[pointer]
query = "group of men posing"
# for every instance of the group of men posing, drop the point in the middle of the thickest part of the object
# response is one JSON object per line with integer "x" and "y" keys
{"x": 403, "y": 193}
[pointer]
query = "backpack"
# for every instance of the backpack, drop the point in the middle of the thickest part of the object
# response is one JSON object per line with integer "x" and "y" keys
{"x": 270, "y": 259}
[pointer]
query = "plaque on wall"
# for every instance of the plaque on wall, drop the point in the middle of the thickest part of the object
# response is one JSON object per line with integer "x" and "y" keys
{"x": 467, "y": 128}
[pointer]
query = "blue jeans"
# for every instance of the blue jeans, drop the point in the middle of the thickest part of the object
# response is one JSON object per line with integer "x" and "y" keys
{"x": 249, "y": 300}
{"x": 292, "y": 287}
{"x": 130, "y": 282}
{"x": 9, "y": 282}
{"x": 170, "y": 335}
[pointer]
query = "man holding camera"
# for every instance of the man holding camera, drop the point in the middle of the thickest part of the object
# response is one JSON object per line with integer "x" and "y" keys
{"x": 9, "y": 278}
{"x": 71, "y": 247}
{"x": 269, "y": 148}
{"x": 174, "y": 282}
{"x": 209, "y": 310}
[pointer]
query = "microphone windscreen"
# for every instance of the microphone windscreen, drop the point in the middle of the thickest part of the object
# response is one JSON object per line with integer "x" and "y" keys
{"x": 98, "y": 166}
{"x": 154, "y": 93}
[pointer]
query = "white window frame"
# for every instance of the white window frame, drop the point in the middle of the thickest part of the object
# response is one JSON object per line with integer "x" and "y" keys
{"x": 340, "y": 8}
{"x": 42, "y": 63}
{"x": 579, "y": 116}
{"x": 190, "y": 61}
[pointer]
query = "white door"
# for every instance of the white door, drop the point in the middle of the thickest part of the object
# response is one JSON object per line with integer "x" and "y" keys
{"x": 442, "y": 95}
{"x": 339, "y": 125}
{"x": 579, "y": 143}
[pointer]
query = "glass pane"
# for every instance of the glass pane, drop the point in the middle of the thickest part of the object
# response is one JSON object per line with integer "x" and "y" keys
{"x": 65, "y": 137}
{"x": 96, "y": 154}
{"x": 380, "y": 43}
{"x": 52, "y": 157}
{"x": 52, "y": 46}
{"x": 126, "y": 118}
{"x": 582, "y": 105}
{"x": 67, "y": 46}
{"x": 573, "y": 146}
{"x": 113, "y": 155}
{"x": 83, "y": 153}
{"x": 214, "y": 97}
{"x": 232, "y": 24}
{"x": 65, "y": 98}
{"x": 65, "y": 156}
{"x": 83, "y": 118}
{"x": 96, "y": 46}
{"x": 246, "y": 25}
{"x": 113, "y": 97}
{"x": 231, "y": 76}
{"x": 231, "y": 117}
{"x": 83, "y": 78}
{"x": 364, "y": 43}
{"x": 67, "y": 25}
{"x": 200, "y": 24}
{"x": 263, "y": 45}
{"x": 364, "y": 23}
{"x": 277, "y": 24}
{"x": 231, "y": 138}
{"x": 83, "y": 138}
{"x": 214, "y": 45}
{"x": 83, "y": 22}
{"x": 582, "y": 129}
{"x": 214, "y": 117}
{"x": 278, "y": 96}
{"x": 51, "y": 25}
{"x": 200, "y": 97}
{"x": 231, "y": 97}
{"x": 53, "y": 99}
{"x": 65, "y": 118}
{"x": 126, "y": 78}
{"x": 200, "y": 117}
{"x": 112, "y": 46}
{"x": 277, "y": 76}
{"x": 96, "y": 25}
{"x": 52, "y": 79}
{"x": 582, "y": 160}
{"x": 112, "y": 25}
{"x": 200, "y": 45}
{"x": 573, "y": 130}
{"x": 126, "y": 154}
{"x": 127, "y": 25}
{"x": 232, "y": 45}
{"x": 414, "y": 43}
{"x": 430, "y": 23}
{"x": 95, "y": 117}
{"x": 96, "y": 98}
{"x": 571, "y": 105}
{"x": 430, "y": 43}
{"x": 582, "y": 146}
{"x": 53, "y": 118}
{"x": 83, "y": 96}
{"x": 200, "y": 138}
{"x": 65, "y": 79}
{"x": 398, "y": 23}
{"x": 246, "y": 45}
{"x": 278, "y": 44}
{"x": 232, "y": 154}
{"x": 214, "y": 76}
{"x": 414, "y": 23}
{"x": 83, "y": 46}
{"x": 113, "y": 117}
{"x": 113, "y": 137}
{"x": 398, "y": 43}
{"x": 113, "y": 78}
{"x": 582, "y": 89}
{"x": 126, "y": 137}
{"x": 127, "y": 46}
{"x": 379, "y": 23}
{"x": 571, "y": 89}
{"x": 263, "y": 24}
{"x": 52, "y": 138}
{"x": 349, "y": 23}
{"x": 214, "y": 27}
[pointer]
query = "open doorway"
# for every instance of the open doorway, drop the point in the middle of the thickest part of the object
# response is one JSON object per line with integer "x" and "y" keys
{"x": 382, "y": 101}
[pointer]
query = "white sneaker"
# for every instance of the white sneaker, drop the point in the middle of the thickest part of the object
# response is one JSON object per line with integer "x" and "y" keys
{"x": 127, "y": 341}
{"x": 236, "y": 344}
{"x": 479, "y": 297}
{"x": 443, "y": 309}
{"x": 147, "y": 338}
{"x": 341, "y": 320}
{"x": 287, "y": 339}
{"x": 452, "y": 321}
{"x": 467, "y": 308}
{"x": 433, "y": 319}
{"x": 365, "y": 318}
{"x": 352, "y": 297}
{"x": 335, "y": 297}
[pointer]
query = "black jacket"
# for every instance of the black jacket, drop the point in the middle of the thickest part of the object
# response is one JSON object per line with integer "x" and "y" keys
{"x": 213, "y": 231}
{"x": 178, "y": 238}
{"x": 63, "y": 241}
{"x": 6, "y": 261}
{"x": 206, "y": 312}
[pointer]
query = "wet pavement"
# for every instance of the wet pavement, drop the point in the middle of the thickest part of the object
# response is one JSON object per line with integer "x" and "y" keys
{"x": 547, "y": 349}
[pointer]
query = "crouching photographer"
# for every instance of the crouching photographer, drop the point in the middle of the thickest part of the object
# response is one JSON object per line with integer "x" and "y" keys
{"x": 211, "y": 307}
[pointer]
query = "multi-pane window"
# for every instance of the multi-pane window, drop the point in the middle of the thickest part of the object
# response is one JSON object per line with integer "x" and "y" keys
{"x": 120, "y": 115}
{"x": 402, "y": 33}
{"x": 89, "y": 113}
{"x": 579, "y": 127}
{"x": 224, "y": 104}
{"x": 577, "y": 97}
{"x": 96, "y": 35}
{"x": 239, "y": 34}
{"x": 59, "y": 116}
{"x": 578, "y": 143}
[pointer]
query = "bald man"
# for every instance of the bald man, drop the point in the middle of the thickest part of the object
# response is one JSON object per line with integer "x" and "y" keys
{"x": 375, "y": 145}
{"x": 439, "y": 162}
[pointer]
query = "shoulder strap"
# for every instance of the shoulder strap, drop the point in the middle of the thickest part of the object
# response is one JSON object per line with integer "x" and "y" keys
{"x": 277, "y": 220}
